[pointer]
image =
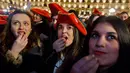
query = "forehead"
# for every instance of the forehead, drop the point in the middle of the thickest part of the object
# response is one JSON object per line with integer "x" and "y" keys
{"x": 104, "y": 27}
{"x": 124, "y": 14}
{"x": 21, "y": 16}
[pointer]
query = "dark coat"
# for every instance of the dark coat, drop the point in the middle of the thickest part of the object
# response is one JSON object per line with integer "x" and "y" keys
{"x": 32, "y": 63}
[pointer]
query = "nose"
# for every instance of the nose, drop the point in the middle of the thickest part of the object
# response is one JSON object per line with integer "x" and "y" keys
{"x": 101, "y": 42}
{"x": 21, "y": 26}
{"x": 64, "y": 30}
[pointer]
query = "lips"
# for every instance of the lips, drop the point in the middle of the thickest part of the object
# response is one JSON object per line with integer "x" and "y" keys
{"x": 99, "y": 53}
{"x": 65, "y": 37}
{"x": 20, "y": 32}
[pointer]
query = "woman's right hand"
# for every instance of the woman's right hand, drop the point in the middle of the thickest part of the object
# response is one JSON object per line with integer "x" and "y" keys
{"x": 19, "y": 44}
{"x": 59, "y": 44}
{"x": 87, "y": 64}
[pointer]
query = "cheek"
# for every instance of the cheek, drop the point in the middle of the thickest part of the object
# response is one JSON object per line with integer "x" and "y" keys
{"x": 114, "y": 49}
{"x": 91, "y": 45}
{"x": 28, "y": 30}
{"x": 71, "y": 34}
{"x": 59, "y": 33}
{"x": 114, "y": 46}
{"x": 14, "y": 30}
{"x": 70, "y": 38}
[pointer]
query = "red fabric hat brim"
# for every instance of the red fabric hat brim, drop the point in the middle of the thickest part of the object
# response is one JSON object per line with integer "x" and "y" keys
{"x": 3, "y": 17}
{"x": 3, "y": 22}
{"x": 96, "y": 11}
{"x": 70, "y": 18}
{"x": 41, "y": 12}
{"x": 55, "y": 8}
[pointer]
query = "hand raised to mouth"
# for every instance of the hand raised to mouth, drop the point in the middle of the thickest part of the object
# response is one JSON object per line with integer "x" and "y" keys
{"x": 19, "y": 44}
{"x": 59, "y": 44}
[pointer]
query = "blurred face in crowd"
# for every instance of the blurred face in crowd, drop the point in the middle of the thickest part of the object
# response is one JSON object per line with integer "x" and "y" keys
{"x": 66, "y": 31}
{"x": 37, "y": 18}
{"x": 124, "y": 16}
{"x": 54, "y": 19}
{"x": 104, "y": 44}
{"x": 21, "y": 24}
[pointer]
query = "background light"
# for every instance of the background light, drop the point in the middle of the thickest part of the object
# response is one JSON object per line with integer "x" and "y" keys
{"x": 112, "y": 10}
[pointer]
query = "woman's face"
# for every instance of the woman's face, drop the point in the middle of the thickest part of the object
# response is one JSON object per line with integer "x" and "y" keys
{"x": 104, "y": 44}
{"x": 21, "y": 24}
{"x": 66, "y": 31}
{"x": 54, "y": 19}
{"x": 37, "y": 18}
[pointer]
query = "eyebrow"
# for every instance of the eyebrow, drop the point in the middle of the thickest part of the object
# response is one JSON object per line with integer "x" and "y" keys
{"x": 14, "y": 21}
{"x": 19, "y": 21}
{"x": 112, "y": 33}
{"x": 94, "y": 31}
{"x": 107, "y": 32}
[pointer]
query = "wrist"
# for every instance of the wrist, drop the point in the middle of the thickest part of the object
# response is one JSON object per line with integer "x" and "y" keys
{"x": 10, "y": 58}
{"x": 14, "y": 53}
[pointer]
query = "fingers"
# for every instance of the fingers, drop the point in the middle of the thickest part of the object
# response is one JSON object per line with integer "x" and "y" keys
{"x": 94, "y": 68}
{"x": 22, "y": 37}
{"x": 85, "y": 65}
{"x": 84, "y": 60}
{"x": 90, "y": 64}
{"x": 58, "y": 50}
{"x": 59, "y": 45}
{"x": 61, "y": 40}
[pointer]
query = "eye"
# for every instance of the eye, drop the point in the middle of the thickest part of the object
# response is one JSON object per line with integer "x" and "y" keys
{"x": 16, "y": 23}
{"x": 94, "y": 35}
{"x": 70, "y": 27}
{"x": 59, "y": 27}
{"x": 26, "y": 23}
{"x": 111, "y": 37}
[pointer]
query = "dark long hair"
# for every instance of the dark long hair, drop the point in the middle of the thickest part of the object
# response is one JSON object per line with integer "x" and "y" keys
{"x": 71, "y": 52}
{"x": 8, "y": 38}
{"x": 123, "y": 61}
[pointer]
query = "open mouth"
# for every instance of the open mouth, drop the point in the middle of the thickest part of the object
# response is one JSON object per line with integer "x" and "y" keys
{"x": 21, "y": 32}
{"x": 65, "y": 37}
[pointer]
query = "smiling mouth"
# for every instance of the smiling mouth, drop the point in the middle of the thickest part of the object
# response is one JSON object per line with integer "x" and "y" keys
{"x": 99, "y": 53}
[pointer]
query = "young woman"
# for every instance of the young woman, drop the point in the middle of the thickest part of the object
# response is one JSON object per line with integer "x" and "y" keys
{"x": 20, "y": 51}
{"x": 108, "y": 46}
{"x": 70, "y": 32}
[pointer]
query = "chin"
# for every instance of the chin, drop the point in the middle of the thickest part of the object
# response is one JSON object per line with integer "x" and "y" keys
{"x": 66, "y": 45}
{"x": 103, "y": 62}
